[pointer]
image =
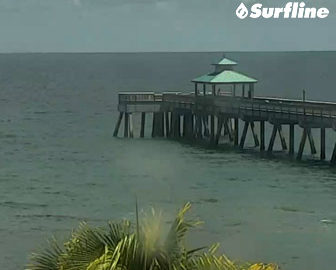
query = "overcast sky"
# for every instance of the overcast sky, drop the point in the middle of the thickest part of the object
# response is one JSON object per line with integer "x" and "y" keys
{"x": 155, "y": 25}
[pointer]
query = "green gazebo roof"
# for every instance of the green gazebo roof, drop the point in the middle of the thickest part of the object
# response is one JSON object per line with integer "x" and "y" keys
{"x": 224, "y": 77}
{"x": 225, "y": 62}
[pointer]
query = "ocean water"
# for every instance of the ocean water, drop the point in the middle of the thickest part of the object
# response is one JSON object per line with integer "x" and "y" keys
{"x": 60, "y": 164}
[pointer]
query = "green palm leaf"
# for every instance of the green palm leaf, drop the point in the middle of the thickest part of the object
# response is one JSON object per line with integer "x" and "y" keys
{"x": 46, "y": 259}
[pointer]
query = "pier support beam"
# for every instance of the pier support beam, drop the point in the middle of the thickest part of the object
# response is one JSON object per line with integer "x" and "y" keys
{"x": 323, "y": 144}
{"x": 188, "y": 126}
{"x": 175, "y": 125}
{"x": 277, "y": 128}
{"x": 158, "y": 125}
{"x": 333, "y": 156}
{"x": 126, "y": 125}
{"x": 282, "y": 138}
{"x": 262, "y": 136}
{"x": 255, "y": 136}
{"x": 291, "y": 139}
{"x": 167, "y": 124}
{"x": 206, "y": 126}
{"x": 212, "y": 128}
{"x": 243, "y": 137}
{"x": 219, "y": 129}
{"x": 302, "y": 144}
{"x": 116, "y": 129}
{"x": 198, "y": 126}
{"x": 130, "y": 122}
{"x": 228, "y": 125}
{"x": 272, "y": 140}
{"x": 236, "y": 131}
{"x": 143, "y": 122}
{"x": 311, "y": 141}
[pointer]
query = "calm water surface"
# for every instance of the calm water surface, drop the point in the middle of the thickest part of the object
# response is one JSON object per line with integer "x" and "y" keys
{"x": 59, "y": 163}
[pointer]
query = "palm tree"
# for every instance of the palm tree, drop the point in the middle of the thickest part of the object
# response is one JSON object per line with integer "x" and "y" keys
{"x": 122, "y": 246}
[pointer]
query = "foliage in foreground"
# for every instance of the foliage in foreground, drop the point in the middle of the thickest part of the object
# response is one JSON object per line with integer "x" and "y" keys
{"x": 122, "y": 246}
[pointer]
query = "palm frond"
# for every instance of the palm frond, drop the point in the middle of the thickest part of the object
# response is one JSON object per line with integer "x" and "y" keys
{"x": 84, "y": 246}
{"x": 115, "y": 233}
{"x": 178, "y": 230}
{"x": 48, "y": 259}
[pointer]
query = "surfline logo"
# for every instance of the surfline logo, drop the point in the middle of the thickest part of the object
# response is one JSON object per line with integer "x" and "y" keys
{"x": 292, "y": 10}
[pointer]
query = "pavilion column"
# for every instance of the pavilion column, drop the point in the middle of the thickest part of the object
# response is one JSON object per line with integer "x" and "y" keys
{"x": 204, "y": 89}
{"x": 234, "y": 90}
{"x": 196, "y": 92}
{"x": 214, "y": 90}
{"x": 251, "y": 90}
{"x": 243, "y": 90}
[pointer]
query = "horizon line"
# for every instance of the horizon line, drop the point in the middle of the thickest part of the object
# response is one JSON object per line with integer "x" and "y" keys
{"x": 134, "y": 52}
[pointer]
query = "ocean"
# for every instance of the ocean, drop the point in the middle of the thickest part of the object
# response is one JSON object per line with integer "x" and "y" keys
{"x": 60, "y": 164}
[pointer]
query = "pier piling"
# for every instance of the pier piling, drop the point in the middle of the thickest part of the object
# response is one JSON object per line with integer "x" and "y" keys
{"x": 311, "y": 141}
{"x": 116, "y": 129}
{"x": 212, "y": 128}
{"x": 130, "y": 122}
{"x": 167, "y": 124}
{"x": 323, "y": 144}
{"x": 291, "y": 139}
{"x": 272, "y": 140}
{"x": 262, "y": 136}
{"x": 243, "y": 137}
{"x": 143, "y": 122}
{"x": 126, "y": 125}
{"x": 219, "y": 129}
{"x": 302, "y": 144}
{"x": 236, "y": 131}
{"x": 282, "y": 138}
{"x": 255, "y": 136}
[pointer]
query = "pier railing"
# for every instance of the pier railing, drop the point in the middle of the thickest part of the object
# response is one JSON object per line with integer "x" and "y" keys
{"x": 257, "y": 105}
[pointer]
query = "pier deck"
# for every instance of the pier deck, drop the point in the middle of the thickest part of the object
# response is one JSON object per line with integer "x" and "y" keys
{"x": 210, "y": 117}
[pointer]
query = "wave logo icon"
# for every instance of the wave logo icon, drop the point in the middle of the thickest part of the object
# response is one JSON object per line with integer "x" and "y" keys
{"x": 242, "y": 11}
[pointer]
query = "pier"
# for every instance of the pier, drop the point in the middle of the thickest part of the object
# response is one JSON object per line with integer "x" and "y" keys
{"x": 223, "y": 101}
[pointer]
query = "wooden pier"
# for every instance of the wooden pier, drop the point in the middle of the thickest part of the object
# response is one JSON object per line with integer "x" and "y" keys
{"x": 212, "y": 116}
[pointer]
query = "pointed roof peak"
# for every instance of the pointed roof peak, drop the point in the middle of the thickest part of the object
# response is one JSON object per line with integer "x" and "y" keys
{"x": 225, "y": 62}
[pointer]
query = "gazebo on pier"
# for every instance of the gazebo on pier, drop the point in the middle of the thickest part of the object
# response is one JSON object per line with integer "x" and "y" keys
{"x": 225, "y": 75}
